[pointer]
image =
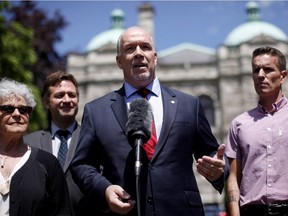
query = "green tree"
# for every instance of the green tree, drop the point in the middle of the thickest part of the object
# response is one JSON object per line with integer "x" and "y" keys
{"x": 16, "y": 57}
{"x": 46, "y": 34}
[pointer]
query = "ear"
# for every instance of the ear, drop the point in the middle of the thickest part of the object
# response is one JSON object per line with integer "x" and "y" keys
{"x": 46, "y": 104}
{"x": 283, "y": 75}
{"x": 119, "y": 62}
{"x": 156, "y": 58}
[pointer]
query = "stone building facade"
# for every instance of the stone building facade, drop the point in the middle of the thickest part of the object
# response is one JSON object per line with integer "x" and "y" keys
{"x": 221, "y": 78}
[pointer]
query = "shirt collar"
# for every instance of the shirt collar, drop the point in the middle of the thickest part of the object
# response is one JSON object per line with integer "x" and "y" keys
{"x": 55, "y": 128}
{"x": 154, "y": 87}
{"x": 276, "y": 106}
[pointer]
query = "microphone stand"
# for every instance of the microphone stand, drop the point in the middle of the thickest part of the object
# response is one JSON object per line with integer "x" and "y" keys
{"x": 139, "y": 137}
{"x": 138, "y": 188}
{"x": 138, "y": 144}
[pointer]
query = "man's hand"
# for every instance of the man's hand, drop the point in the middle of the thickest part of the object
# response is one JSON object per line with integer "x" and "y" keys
{"x": 118, "y": 200}
{"x": 212, "y": 168}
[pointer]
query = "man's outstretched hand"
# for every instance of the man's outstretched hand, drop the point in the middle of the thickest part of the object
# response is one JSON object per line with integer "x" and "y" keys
{"x": 212, "y": 168}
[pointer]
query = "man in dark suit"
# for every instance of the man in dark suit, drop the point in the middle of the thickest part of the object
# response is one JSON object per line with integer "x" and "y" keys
{"x": 103, "y": 166}
{"x": 60, "y": 98}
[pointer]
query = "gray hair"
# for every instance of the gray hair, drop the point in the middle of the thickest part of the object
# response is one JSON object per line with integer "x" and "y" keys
{"x": 11, "y": 87}
{"x": 119, "y": 41}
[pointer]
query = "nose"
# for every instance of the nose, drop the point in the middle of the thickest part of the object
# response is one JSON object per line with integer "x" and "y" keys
{"x": 66, "y": 98}
{"x": 138, "y": 51}
{"x": 261, "y": 73}
{"x": 16, "y": 112}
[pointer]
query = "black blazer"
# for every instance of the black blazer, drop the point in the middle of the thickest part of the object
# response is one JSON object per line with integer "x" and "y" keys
{"x": 168, "y": 185}
{"x": 43, "y": 139}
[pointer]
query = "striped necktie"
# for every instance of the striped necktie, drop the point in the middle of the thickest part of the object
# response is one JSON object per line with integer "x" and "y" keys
{"x": 150, "y": 145}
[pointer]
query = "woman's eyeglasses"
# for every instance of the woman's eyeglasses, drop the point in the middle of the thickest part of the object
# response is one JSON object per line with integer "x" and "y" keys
{"x": 22, "y": 109}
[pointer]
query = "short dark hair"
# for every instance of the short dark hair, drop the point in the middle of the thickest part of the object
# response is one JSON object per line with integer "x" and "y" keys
{"x": 273, "y": 52}
{"x": 56, "y": 77}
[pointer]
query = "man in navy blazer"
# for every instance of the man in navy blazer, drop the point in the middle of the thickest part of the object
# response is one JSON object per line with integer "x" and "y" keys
{"x": 60, "y": 97}
{"x": 104, "y": 162}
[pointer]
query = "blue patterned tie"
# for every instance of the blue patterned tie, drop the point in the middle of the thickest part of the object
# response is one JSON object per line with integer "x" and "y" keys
{"x": 63, "y": 135}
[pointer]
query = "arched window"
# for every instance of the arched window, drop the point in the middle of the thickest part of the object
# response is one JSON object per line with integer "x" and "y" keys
{"x": 208, "y": 106}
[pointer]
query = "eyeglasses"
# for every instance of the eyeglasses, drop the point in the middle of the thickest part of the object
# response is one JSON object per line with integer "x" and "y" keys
{"x": 10, "y": 109}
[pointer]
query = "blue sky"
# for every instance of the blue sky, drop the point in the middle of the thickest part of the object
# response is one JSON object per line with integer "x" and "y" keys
{"x": 205, "y": 23}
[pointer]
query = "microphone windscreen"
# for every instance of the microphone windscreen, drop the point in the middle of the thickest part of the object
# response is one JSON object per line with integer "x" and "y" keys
{"x": 139, "y": 119}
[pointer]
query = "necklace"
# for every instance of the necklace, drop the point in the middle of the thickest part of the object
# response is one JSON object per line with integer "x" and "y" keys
{"x": 3, "y": 158}
{"x": 2, "y": 164}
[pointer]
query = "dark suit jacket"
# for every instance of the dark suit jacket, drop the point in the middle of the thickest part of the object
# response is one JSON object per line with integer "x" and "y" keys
{"x": 168, "y": 184}
{"x": 43, "y": 139}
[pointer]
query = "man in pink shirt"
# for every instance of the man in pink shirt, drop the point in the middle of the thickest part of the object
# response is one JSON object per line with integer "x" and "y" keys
{"x": 257, "y": 143}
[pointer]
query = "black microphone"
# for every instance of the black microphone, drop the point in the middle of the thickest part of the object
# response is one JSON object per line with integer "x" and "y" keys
{"x": 139, "y": 127}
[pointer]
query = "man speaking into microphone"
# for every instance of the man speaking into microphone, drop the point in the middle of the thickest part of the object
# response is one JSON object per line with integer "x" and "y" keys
{"x": 105, "y": 164}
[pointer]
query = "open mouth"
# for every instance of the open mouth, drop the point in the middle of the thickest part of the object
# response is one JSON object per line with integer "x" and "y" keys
{"x": 140, "y": 65}
{"x": 66, "y": 108}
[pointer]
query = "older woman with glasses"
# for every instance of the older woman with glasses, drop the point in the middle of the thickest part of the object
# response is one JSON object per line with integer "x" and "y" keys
{"x": 31, "y": 180}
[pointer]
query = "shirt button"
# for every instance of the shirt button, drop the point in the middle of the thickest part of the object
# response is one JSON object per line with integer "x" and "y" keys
{"x": 150, "y": 200}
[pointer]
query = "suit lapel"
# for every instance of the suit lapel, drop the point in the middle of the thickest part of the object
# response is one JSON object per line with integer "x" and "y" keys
{"x": 46, "y": 140}
{"x": 119, "y": 107}
{"x": 72, "y": 147}
{"x": 170, "y": 103}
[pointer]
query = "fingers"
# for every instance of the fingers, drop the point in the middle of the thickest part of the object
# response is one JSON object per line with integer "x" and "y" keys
{"x": 210, "y": 168}
{"x": 206, "y": 170}
{"x": 220, "y": 152}
{"x": 118, "y": 200}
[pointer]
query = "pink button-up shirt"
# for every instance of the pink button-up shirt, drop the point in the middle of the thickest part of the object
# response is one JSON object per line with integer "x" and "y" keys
{"x": 260, "y": 140}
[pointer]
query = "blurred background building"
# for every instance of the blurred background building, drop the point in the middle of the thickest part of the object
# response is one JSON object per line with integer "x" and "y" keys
{"x": 221, "y": 78}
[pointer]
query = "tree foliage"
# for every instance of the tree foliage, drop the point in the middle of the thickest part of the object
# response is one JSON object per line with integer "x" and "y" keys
{"x": 16, "y": 56}
{"x": 27, "y": 53}
{"x": 46, "y": 34}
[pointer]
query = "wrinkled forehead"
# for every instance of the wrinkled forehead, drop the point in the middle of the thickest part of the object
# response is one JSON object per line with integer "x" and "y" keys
{"x": 265, "y": 59}
{"x": 136, "y": 36}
